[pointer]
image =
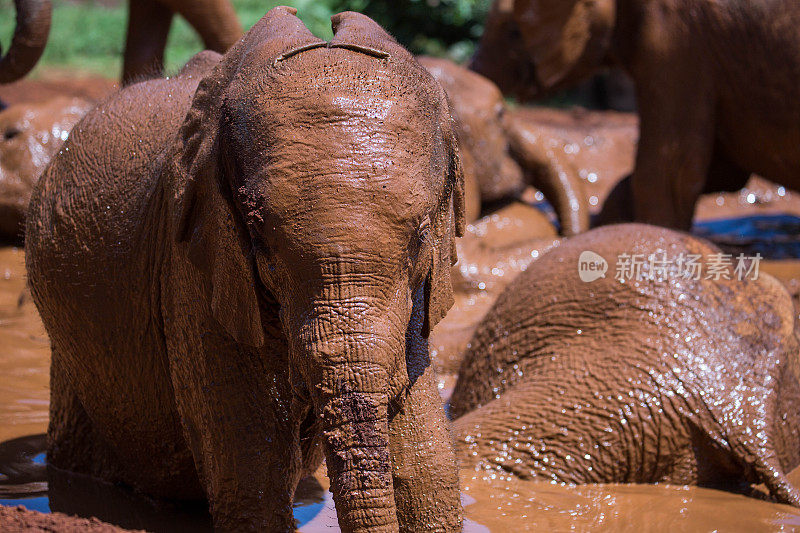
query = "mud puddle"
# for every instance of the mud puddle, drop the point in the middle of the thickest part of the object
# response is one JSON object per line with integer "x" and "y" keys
{"x": 490, "y": 504}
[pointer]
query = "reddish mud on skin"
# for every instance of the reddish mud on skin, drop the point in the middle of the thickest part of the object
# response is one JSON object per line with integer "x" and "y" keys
{"x": 600, "y": 148}
{"x": 678, "y": 381}
{"x": 479, "y": 109}
{"x": 30, "y": 134}
{"x": 706, "y": 126}
{"x": 500, "y": 504}
{"x": 493, "y": 149}
{"x": 246, "y": 192}
{"x": 593, "y": 149}
{"x": 493, "y": 251}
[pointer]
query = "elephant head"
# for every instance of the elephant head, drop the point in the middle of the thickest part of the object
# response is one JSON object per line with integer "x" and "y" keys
{"x": 480, "y": 112}
{"x": 534, "y": 47}
{"x": 30, "y": 134}
{"x": 324, "y": 179}
{"x": 30, "y": 38}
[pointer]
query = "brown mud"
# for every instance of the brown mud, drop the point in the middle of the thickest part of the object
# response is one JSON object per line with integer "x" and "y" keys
{"x": 496, "y": 504}
{"x": 51, "y": 85}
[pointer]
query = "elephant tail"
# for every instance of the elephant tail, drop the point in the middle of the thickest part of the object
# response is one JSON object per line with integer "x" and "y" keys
{"x": 30, "y": 38}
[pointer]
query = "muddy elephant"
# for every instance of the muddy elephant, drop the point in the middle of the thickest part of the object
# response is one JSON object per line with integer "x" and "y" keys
{"x": 670, "y": 379}
{"x": 484, "y": 138}
{"x": 29, "y": 40}
{"x": 30, "y": 135}
{"x": 479, "y": 108}
{"x": 254, "y": 265}
{"x": 705, "y": 125}
{"x": 149, "y": 22}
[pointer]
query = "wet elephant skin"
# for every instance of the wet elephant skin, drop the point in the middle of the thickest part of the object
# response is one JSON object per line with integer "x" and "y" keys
{"x": 479, "y": 108}
{"x": 498, "y": 157}
{"x": 255, "y": 260}
{"x": 705, "y": 124}
{"x": 678, "y": 381}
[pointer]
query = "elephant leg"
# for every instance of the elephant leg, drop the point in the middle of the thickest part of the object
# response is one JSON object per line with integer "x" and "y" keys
{"x": 618, "y": 206}
{"x": 73, "y": 442}
{"x": 214, "y": 20}
{"x": 243, "y": 428}
{"x": 148, "y": 28}
{"x": 675, "y": 149}
{"x": 424, "y": 468}
{"x": 724, "y": 175}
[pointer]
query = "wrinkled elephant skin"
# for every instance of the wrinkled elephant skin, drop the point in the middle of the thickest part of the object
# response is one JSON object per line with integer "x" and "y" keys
{"x": 675, "y": 380}
{"x": 256, "y": 257}
{"x": 31, "y": 135}
{"x": 716, "y": 83}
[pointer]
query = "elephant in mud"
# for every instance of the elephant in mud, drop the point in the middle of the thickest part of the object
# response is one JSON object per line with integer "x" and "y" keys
{"x": 31, "y": 135}
{"x": 479, "y": 109}
{"x": 716, "y": 83}
{"x": 488, "y": 158}
{"x": 670, "y": 379}
{"x": 238, "y": 268}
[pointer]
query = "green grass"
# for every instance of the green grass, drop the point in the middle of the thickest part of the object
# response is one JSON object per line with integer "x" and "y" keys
{"x": 88, "y": 37}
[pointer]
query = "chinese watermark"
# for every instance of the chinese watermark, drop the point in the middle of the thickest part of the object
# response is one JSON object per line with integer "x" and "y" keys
{"x": 661, "y": 267}
{"x": 591, "y": 266}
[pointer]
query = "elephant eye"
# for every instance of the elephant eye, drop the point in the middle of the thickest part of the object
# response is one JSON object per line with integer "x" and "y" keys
{"x": 10, "y": 133}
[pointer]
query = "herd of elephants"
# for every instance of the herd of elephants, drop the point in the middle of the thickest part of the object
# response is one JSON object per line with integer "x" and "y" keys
{"x": 239, "y": 266}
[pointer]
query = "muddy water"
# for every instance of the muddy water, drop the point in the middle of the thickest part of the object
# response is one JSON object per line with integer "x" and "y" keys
{"x": 491, "y": 504}
{"x": 24, "y": 354}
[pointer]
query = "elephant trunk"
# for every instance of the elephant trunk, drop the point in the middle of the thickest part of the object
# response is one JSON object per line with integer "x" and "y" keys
{"x": 30, "y": 38}
{"x": 356, "y": 441}
{"x": 558, "y": 180}
{"x": 352, "y": 350}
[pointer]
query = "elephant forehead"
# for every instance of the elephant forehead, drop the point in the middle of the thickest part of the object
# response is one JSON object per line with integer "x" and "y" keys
{"x": 339, "y": 150}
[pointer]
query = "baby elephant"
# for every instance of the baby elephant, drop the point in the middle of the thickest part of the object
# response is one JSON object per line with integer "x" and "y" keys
{"x": 500, "y": 159}
{"x": 671, "y": 379}
{"x": 238, "y": 268}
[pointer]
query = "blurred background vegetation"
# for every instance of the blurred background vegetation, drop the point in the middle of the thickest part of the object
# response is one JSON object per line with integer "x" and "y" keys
{"x": 88, "y": 36}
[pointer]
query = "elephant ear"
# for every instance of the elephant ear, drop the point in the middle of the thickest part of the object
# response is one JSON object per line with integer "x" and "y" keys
{"x": 360, "y": 33}
{"x": 566, "y": 38}
{"x": 447, "y": 223}
{"x": 205, "y": 214}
